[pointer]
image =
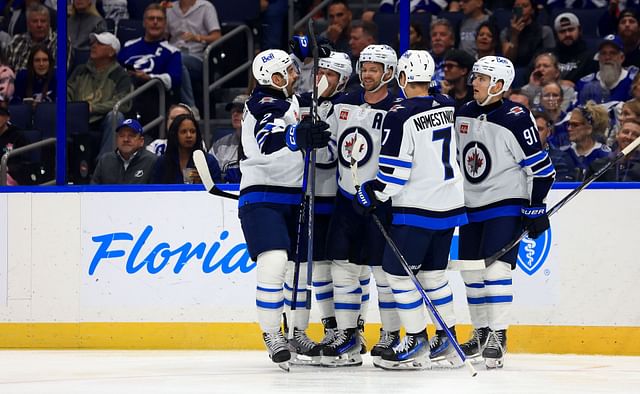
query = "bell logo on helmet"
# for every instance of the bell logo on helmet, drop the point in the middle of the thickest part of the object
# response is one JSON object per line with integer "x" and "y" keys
{"x": 268, "y": 57}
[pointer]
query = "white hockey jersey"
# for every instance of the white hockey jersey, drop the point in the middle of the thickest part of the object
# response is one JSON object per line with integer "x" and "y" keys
{"x": 502, "y": 160}
{"x": 418, "y": 167}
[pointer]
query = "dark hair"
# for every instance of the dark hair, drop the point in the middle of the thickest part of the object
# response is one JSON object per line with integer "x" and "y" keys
{"x": 172, "y": 154}
{"x": 343, "y": 2}
{"x": 545, "y": 116}
{"x": 495, "y": 33}
{"x": 31, "y": 72}
{"x": 155, "y": 7}
{"x": 368, "y": 28}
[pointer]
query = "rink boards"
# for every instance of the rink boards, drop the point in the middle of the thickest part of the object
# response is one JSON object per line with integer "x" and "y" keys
{"x": 168, "y": 269}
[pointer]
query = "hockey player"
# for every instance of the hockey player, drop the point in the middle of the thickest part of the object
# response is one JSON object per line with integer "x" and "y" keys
{"x": 270, "y": 189}
{"x": 335, "y": 70}
{"x": 354, "y": 242}
{"x": 418, "y": 171}
{"x": 507, "y": 178}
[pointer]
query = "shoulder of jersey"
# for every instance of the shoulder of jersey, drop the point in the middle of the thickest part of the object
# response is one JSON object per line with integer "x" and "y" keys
{"x": 165, "y": 44}
{"x": 443, "y": 100}
{"x": 468, "y": 109}
{"x": 132, "y": 42}
{"x": 588, "y": 78}
{"x": 350, "y": 98}
{"x": 512, "y": 116}
{"x": 265, "y": 103}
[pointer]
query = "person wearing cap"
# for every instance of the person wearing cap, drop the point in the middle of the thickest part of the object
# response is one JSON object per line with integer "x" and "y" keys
{"x": 12, "y": 138}
{"x": 130, "y": 163}
{"x": 101, "y": 82}
{"x": 227, "y": 149}
{"x": 612, "y": 82}
{"x": 457, "y": 66}
{"x": 84, "y": 19}
{"x": 574, "y": 57}
{"x": 629, "y": 33}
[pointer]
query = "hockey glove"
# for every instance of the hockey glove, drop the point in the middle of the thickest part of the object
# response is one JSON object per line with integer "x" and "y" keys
{"x": 365, "y": 201}
{"x": 535, "y": 220}
{"x": 307, "y": 135}
{"x": 302, "y": 47}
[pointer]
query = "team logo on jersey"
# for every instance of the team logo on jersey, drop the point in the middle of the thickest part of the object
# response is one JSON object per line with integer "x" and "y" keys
{"x": 346, "y": 146}
{"x": 533, "y": 253}
{"x": 516, "y": 111}
{"x": 344, "y": 115}
{"x": 266, "y": 100}
{"x": 464, "y": 127}
{"x": 477, "y": 162}
{"x": 396, "y": 108}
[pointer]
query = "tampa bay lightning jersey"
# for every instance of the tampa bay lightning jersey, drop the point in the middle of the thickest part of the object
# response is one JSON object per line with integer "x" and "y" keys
{"x": 590, "y": 87}
{"x": 326, "y": 185}
{"x": 351, "y": 115}
{"x": 271, "y": 172}
{"x": 159, "y": 59}
{"x": 417, "y": 164}
{"x": 503, "y": 163}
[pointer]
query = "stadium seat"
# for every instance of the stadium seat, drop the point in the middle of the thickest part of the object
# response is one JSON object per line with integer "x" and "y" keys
{"x": 111, "y": 25}
{"x": 77, "y": 117}
{"x": 129, "y": 29}
{"x": 237, "y": 10}
{"x": 44, "y": 119}
{"x": 389, "y": 25}
{"x": 521, "y": 77}
{"x": 453, "y": 17}
{"x": 21, "y": 115}
{"x": 136, "y": 8}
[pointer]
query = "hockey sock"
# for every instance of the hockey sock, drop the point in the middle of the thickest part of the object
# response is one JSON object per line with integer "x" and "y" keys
{"x": 474, "y": 285}
{"x": 365, "y": 285}
{"x": 347, "y": 293}
{"x": 436, "y": 286}
{"x": 301, "y": 316}
{"x": 269, "y": 295}
{"x": 323, "y": 288}
{"x": 410, "y": 305}
{"x": 499, "y": 294}
{"x": 387, "y": 304}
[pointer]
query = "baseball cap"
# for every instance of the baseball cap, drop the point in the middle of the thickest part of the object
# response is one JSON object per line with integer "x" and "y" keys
{"x": 132, "y": 124}
{"x": 566, "y": 20}
{"x": 238, "y": 101}
{"x": 106, "y": 38}
{"x": 614, "y": 40}
{"x": 629, "y": 12}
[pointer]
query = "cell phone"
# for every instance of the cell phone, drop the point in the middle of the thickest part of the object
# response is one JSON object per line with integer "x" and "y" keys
{"x": 517, "y": 12}
{"x": 129, "y": 67}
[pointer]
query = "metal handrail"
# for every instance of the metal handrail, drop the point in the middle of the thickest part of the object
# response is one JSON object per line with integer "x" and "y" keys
{"x": 206, "y": 99}
{"x": 161, "y": 105}
{"x": 4, "y": 162}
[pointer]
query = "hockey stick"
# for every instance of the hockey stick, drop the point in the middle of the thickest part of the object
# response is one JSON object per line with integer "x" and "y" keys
{"x": 203, "y": 170}
{"x": 468, "y": 265}
{"x": 355, "y": 156}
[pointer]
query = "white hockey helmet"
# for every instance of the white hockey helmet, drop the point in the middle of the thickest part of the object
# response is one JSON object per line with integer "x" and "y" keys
{"x": 340, "y": 63}
{"x": 382, "y": 54}
{"x": 498, "y": 68}
{"x": 417, "y": 66}
{"x": 269, "y": 62}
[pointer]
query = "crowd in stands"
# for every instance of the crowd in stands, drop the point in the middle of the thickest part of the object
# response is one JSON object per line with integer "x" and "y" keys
{"x": 576, "y": 69}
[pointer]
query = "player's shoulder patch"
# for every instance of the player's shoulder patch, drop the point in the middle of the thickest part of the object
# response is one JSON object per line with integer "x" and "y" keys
{"x": 516, "y": 110}
{"x": 397, "y": 107}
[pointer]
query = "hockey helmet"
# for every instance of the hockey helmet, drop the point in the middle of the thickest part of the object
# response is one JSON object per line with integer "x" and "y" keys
{"x": 382, "y": 54}
{"x": 340, "y": 63}
{"x": 270, "y": 62}
{"x": 417, "y": 66}
{"x": 497, "y": 68}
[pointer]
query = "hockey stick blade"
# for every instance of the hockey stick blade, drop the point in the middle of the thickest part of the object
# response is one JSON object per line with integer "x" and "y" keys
{"x": 464, "y": 265}
{"x": 203, "y": 170}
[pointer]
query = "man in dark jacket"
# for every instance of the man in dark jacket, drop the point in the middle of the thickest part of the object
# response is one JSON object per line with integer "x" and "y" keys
{"x": 575, "y": 60}
{"x": 130, "y": 163}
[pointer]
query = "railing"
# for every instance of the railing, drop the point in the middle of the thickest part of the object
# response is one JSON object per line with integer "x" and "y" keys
{"x": 153, "y": 82}
{"x": 206, "y": 99}
{"x": 4, "y": 162}
{"x": 303, "y": 21}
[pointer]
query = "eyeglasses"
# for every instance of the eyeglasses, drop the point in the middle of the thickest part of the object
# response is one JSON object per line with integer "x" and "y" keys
{"x": 450, "y": 65}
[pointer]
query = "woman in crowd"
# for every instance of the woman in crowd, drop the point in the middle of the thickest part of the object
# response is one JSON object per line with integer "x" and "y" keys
{"x": 546, "y": 70}
{"x": 524, "y": 37}
{"x": 37, "y": 83}
{"x": 551, "y": 97}
{"x": 487, "y": 40}
{"x": 176, "y": 165}
{"x": 159, "y": 146}
{"x": 586, "y": 125}
{"x": 628, "y": 170}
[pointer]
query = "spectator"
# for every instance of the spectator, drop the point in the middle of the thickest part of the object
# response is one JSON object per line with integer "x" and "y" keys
{"x": 339, "y": 30}
{"x": 227, "y": 149}
{"x": 586, "y": 125}
{"x": 525, "y": 38}
{"x": 7, "y": 82}
{"x": 442, "y": 39}
{"x": 562, "y": 162}
{"x": 416, "y": 38}
{"x": 83, "y": 20}
{"x": 612, "y": 82}
{"x": 114, "y": 9}
{"x": 487, "y": 40}
{"x": 12, "y": 138}
{"x": 635, "y": 87}
{"x": 363, "y": 34}
{"x": 184, "y": 138}
{"x": 517, "y": 96}
{"x": 457, "y": 67}
{"x": 273, "y": 18}
{"x": 474, "y": 15}
{"x": 192, "y": 26}
{"x": 151, "y": 56}
{"x": 101, "y": 82}
{"x": 551, "y": 99}
{"x": 16, "y": 21}
{"x": 546, "y": 70}
{"x": 38, "y": 32}
{"x": 628, "y": 170}
{"x": 159, "y": 146}
{"x": 433, "y": 7}
{"x": 574, "y": 58}
{"x": 130, "y": 163}
{"x": 37, "y": 83}
{"x": 629, "y": 110}
{"x": 629, "y": 33}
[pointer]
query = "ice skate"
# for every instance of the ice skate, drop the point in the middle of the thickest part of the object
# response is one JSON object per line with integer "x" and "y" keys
{"x": 443, "y": 354}
{"x": 495, "y": 350}
{"x": 330, "y": 330}
{"x": 388, "y": 339}
{"x": 303, "y": 350}
{"x": 473, "y": 347}
{"x": 278, "y": 348}
{"x": 344, "y": 351}
{"x": 411, "y": 353}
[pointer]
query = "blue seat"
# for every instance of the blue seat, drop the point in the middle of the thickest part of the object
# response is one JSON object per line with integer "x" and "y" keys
{"x": 77, "y": 117}
{"x": 44, "y": 119}
{"x": 389, "y": 25}
{"x": 21, "y": 115}
{"x": 129, "y": 29}
{"x": 136, "y": 8}
{"x": 230, "y": 11}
